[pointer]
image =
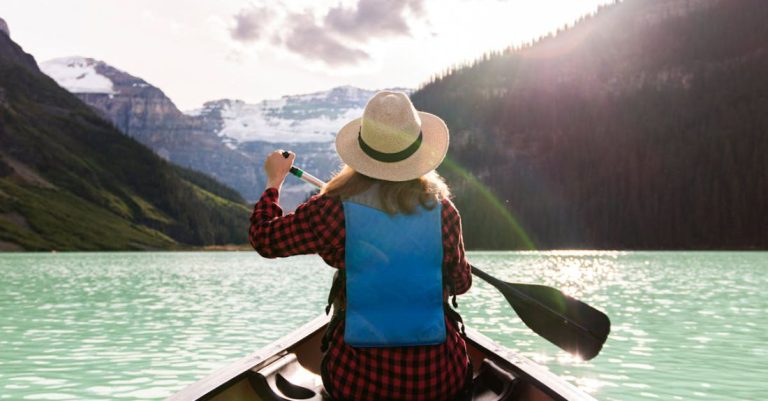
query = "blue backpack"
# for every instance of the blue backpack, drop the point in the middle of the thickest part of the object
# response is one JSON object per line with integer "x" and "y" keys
{"x": 394, "y": 283}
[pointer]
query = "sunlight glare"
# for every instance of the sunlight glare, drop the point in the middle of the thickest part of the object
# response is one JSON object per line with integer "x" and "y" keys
{"x": 569, "y": 359}
{"x": 495, "y": 25}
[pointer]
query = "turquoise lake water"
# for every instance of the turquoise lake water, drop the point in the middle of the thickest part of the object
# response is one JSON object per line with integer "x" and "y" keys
{"x": 141, "y": 326}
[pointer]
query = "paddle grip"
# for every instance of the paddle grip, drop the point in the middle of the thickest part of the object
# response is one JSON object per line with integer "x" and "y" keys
{"x": 295, "y": 171}
{"x": 304, "y": 176}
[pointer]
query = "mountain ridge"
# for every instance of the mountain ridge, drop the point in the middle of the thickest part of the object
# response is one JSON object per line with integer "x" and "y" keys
{"x": 641, "y": 127}
{"x": 70, "y": 181}
{"x": 226, "y": 138}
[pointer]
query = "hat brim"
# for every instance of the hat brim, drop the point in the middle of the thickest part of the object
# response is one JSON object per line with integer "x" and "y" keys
{"x": 430, "y": 154}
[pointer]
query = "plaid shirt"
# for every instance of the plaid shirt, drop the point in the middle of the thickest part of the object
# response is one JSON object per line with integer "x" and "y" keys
{"x": 425, "y": 373}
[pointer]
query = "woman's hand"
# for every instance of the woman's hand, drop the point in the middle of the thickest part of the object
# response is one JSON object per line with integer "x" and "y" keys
{"x": 277, "y": 167}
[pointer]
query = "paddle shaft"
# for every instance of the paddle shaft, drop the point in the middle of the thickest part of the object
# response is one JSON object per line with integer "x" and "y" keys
{"x": 306, "y": 177}
{"x": 572, "y": 325}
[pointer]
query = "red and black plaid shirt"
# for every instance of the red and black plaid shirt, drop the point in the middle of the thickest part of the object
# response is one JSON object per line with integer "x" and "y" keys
{"x": 428, "y": 373}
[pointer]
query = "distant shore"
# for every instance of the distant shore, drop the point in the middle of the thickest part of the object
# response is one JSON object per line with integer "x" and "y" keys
{"x": 222, "y": 248}
{"x": 6, "y": 247}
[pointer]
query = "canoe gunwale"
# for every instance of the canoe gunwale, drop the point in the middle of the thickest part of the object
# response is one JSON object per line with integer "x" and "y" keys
{"x": 523, "y": 368}
{"x": 205, "y": 388}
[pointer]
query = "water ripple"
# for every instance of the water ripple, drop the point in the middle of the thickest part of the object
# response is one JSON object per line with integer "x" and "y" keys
{"x": 140, "y": 326}
{"x": 685, "y": 325}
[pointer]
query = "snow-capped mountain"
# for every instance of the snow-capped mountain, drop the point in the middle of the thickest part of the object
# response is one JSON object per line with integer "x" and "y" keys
{"x": 306, "y": 124}
{"x": 145, "y": 113}
{"x": 226, "y": 138}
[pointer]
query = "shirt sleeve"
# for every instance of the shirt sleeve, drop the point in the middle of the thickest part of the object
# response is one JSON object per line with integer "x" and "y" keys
{"x": 305, "y": 231}
{"x": 454, "y": 260}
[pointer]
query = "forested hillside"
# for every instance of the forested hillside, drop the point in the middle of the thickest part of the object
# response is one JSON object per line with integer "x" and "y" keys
{"x": 69, "y": 180}
{"x": 643, "y": 126}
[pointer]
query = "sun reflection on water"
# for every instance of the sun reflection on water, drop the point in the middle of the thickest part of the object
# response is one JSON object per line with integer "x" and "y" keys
{"x": 671, "y": 313}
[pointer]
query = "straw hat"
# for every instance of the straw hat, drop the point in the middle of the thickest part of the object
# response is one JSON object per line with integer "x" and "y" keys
{"x": 393, "y": 141}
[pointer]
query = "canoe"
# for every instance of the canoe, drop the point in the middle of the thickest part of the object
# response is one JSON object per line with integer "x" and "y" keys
{"x": 288, "y": 369}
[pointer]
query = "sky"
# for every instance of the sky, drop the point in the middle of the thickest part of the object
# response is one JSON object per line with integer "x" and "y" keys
{"x": 196, "y": 51}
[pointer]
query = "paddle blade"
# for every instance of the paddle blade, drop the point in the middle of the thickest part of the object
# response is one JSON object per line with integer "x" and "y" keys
{"x": 572, "y": 325}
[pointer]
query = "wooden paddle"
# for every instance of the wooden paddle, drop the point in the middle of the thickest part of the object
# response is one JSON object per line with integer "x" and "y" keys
{"x": 572, "y": 325}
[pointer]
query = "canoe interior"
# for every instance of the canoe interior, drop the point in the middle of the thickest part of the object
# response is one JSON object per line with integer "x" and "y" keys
{"x": 290, "y": 370}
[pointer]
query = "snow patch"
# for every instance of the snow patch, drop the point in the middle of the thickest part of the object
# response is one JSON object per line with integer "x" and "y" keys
{"x": 247, "y": 122}
{"x": 305, "y": 118}
{"x": 78, "y": 75}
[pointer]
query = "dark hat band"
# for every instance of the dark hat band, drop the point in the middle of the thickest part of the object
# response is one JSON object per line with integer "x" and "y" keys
{"x": 388, "y": 157}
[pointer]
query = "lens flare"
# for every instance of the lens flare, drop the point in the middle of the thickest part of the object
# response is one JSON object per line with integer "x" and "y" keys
{"x": 491, "y": 200}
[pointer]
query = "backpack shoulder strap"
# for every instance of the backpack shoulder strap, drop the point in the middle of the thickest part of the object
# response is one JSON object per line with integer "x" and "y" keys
{"x": 334, "y": 299}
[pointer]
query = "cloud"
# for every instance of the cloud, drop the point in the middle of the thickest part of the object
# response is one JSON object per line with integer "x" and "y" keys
{"x": 333, "y": 38}
{"x": 250, "y": 24}
{"x": 310, "y": 40}
{"x": 374, "y": 18}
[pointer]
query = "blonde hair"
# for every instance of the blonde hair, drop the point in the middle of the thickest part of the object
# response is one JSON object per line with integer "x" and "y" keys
{"x": 394, "y": 196}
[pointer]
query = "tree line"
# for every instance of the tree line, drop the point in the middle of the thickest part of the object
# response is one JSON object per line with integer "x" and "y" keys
{"x": 620, "y": 132}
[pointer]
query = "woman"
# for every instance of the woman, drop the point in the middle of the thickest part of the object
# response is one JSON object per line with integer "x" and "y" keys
{"x": 386, "y": 223}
